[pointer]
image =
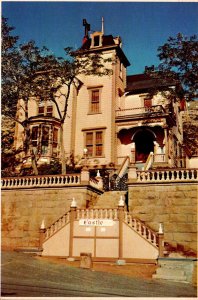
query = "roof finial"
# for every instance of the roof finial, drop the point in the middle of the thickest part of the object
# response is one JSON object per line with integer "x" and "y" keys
{"x": 102, "y": 25}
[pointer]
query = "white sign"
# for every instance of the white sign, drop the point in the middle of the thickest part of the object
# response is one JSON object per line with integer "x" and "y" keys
{"x": 96, "y": 222}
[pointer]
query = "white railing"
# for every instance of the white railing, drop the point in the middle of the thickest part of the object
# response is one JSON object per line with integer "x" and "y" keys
{"x": 105, "y": 213}
{"x": 139, "y": 110}
{"x": 141, "y": 229}
{"x": 158, "y": 158}
{"x": 124, "y": 167}
{"x": 149, "y": 161}
{"x": 95, "y": 183}
{"x": 60, "y": 223}
{"x": 172, "y": 175}
{"x": 40, "y": 181}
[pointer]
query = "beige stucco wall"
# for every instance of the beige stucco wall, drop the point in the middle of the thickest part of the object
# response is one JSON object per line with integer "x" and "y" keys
{"x": 134, "y": 246}
{"x": 23, "y": 211}
{"x": 58, "y": 244}
{"x": 174, "y": 205}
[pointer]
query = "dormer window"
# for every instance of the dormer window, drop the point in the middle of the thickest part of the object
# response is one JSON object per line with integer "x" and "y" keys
{"x": 96, "y": 39}
{"x": 45, "y": 109}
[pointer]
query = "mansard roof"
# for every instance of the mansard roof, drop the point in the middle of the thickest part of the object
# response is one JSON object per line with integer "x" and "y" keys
{"x": 108, "y": 42}
{"x": 143, "y": 83}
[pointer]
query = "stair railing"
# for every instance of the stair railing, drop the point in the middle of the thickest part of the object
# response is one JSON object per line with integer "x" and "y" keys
{"x": 142, "y": 229}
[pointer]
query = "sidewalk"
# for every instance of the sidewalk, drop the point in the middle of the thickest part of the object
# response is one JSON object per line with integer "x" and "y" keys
{"x": 24, "y": 275}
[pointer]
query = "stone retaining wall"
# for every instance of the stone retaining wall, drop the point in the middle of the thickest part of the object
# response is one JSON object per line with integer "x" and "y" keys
{"x": 173, "y": 204}
{"x": 24, "y": 209}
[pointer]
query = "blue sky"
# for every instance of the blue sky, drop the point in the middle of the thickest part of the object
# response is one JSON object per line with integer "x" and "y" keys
{"x": 143, "y": 26}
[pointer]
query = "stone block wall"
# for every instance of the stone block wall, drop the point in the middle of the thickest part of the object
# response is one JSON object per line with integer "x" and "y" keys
{"x": 23, "y": 210}
{"x": 173, "y": 204}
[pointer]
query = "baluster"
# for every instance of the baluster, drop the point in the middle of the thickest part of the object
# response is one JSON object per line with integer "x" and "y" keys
{"x": 100, "y": 213}
{"x": 64, "y": 220}
{"x": 106, "y": 213}
{"x": 68, "y": 217}
{"x": 144, "y": 232}
{"x": 154, "y": 240}
{"x": 182, "y": 174}
{"x": 130, "y": 221}
{"x": 31, "y": 182}
{"x": 163, "y": 175}
{"x": 47, "y": 233}
{"x": 149, "y": 236}
{"x": 96, "y": 213}
{"x": 51, "y": 230}
{"x": 115, "y": 214}
{"x": 78, "y": 214}
{"x": 110, "y": 214}
{"x": 83, "y": 213}
{"x": 125, "y": 216}
{"x": 187, "y": 174}
{"x": 139, "y": 227}
{"x": 135, "y": 224}
{"x": 87, "y": 214}
{"x": 91, "y": 214}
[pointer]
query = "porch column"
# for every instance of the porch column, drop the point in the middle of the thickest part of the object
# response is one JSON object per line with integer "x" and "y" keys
{"x": 42, "y": 231}
{"x": 132, "y": 158}
{"x": 166, "y": 144}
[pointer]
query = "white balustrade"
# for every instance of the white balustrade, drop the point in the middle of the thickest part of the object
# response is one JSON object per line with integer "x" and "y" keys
{"x": 173, "y": 175}
{"x": 40, "y": 181}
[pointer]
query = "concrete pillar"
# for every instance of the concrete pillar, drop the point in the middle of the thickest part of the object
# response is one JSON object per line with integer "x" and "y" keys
{"x": 100, "y": 181}
{"x": 41, "y": 237}
{"x": 132, "y": 173}
{"x": 72, "y": 219}
{"x": 85, "y": 175}
{"x": 132, "y": 158}
{"x": 161, "y": 244}
{"x": 121, "y": 219}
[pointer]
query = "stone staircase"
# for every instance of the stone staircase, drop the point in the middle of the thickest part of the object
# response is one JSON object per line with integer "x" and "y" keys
{"x": 108, "y": 199}
{"x": 175, "y": 269}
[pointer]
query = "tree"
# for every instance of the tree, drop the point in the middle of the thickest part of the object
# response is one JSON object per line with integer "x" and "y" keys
{"x": 30, "y": 72}
{"x": 179, "y": 65}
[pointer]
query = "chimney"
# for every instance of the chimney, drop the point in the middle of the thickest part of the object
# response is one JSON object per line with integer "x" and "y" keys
{"x": 102, "y": 30}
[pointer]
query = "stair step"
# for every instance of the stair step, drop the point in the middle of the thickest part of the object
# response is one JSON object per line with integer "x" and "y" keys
{"x": 170, "y": 277}
{"x": 29, "y": 250}
{"x": 168, "y": 271}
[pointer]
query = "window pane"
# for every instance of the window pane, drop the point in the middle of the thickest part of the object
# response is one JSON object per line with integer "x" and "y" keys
{"x": 55, "y": 135}
{"x": 45, "y": 135}
{"x": 89, "y": 138}
{"x": 44, "y": 150}
{"x": 96, "y": 40}
{"x": 89, "y": 143}
{"x": 147, "y": 102}
{"x": 99, "y": 137}
{"x": 95, "y": 101}
{"x": 90, "y": 150}
{"x": 34, "y": 133}
{"x": 41, "y": 110}
{"x": 98, "y": 150}
{"x": 49, "y": 110}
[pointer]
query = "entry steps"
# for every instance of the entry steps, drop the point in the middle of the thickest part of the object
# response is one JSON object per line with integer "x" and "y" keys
{"x": 175, "y": 269}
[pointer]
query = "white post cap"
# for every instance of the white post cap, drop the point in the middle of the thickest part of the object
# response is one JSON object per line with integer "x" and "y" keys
{"x": 160, "y": 228}
{"x": 42, "y": 225}
{"x": 73, "y": 204}
{"x": 121, "y": 201}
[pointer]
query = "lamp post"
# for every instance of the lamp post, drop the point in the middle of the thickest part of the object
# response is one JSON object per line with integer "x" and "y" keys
{"x": 85, "y": 158}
